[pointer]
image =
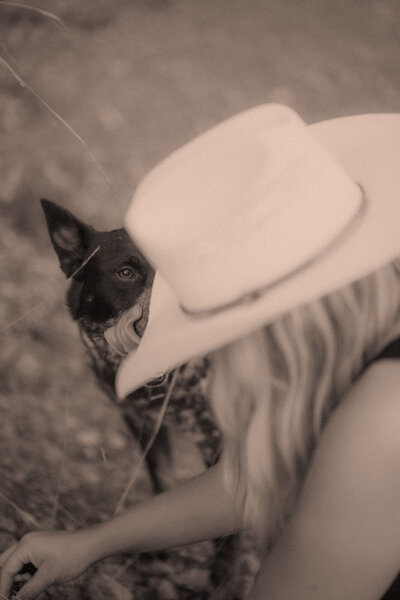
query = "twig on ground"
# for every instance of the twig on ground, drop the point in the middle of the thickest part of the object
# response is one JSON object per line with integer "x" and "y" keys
{"x": 70, "y": 515}
{"x": 127, "y": 565}
{"x": 25, "y": 516}
{"x": 55, "y": 508}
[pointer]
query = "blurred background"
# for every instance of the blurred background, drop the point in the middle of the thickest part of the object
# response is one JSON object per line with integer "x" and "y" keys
{"x": 92, "y": 96}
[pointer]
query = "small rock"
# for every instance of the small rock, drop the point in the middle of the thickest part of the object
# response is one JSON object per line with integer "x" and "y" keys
{"x": 193, "y": 579}
{"x": 105, "y": 587}
{"x": 89, "y": 437}
{"x": 116, "y": 440}
{"x": 166, "y": 590}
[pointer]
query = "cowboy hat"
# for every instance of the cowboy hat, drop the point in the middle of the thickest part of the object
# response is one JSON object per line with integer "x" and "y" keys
{"x": 259, "y": 215}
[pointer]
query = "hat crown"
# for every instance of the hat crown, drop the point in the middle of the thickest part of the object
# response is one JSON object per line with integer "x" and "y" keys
{"x": 241, "y": 206}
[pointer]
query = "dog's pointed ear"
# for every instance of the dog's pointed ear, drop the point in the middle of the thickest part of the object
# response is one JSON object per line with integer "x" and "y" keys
{"x": 70, "y": 236}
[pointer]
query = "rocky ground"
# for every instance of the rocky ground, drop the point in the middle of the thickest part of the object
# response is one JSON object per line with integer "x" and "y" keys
{"x": 89, "y": 102}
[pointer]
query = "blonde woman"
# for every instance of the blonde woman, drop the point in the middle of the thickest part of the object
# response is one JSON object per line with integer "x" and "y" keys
{"x": 276, "y": 247}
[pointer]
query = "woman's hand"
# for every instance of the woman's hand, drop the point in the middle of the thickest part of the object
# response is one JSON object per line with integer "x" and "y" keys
{"x": 57, "y": 555}
{"x": 197, "y": 510}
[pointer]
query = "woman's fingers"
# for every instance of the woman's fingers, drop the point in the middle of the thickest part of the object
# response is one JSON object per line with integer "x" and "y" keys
{"x": 37, "y": 584}
{"x": 48, "y": 556}
{"x": 4, "y": 555}
{"x": 11, "y": 561}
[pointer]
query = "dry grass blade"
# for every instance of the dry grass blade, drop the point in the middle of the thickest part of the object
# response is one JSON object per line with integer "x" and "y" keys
{"x": 76, "y": 522}
{"x": 21, "y": 317}
{"x": 127, "y": 565}
{"x": 85, "y": 262}
{"x": 139, "y": 465}
{"x": 40, "y": 11}
{"x": 59, "y": 118}
{"x": 27, "y": 518}
{"x": 5, "y": 597}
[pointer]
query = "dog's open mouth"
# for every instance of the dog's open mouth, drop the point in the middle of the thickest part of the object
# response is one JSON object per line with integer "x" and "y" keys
{"x": 159, "y": 381}
{"x": 123, "y": 336}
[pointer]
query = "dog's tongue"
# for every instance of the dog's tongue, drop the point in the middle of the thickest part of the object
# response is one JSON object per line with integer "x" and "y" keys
{"x": 122, "y": 336}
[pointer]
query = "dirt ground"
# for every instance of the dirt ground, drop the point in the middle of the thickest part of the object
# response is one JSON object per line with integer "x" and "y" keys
{"x": 88, "y": 105}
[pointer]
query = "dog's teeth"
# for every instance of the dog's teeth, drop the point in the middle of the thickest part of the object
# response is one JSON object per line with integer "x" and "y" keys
{"x": 133, "y": 335}
{"x": 158, "y": 381}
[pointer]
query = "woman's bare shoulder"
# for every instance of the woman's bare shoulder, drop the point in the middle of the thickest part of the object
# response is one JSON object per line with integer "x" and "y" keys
{"x": 368, "y": 418}
{"x": 344, "y": 532}
{"x": 384, "y": 373}
{"x": 377, "y": 392}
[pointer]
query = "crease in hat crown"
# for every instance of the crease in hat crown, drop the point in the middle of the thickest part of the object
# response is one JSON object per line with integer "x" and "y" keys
{"x": 239, "y": 206}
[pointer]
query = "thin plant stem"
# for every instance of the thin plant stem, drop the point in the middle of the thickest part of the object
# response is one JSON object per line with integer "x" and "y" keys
{"x": 139, "y": 464}
{"x": 59, "y": 118}
{"x": 85, "y": 262}
{"x": 70, "y": 515}
{"x": 40, "y": 11}
{"x": 26, "y": 314}
{"x": 26, "y": 517}
{"x": 21, "y": 317}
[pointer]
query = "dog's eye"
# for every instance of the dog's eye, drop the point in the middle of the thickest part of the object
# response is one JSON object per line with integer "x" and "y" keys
{"x": 126, "y": 273}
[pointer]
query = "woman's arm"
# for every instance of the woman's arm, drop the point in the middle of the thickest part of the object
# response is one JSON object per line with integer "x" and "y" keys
{"x": 199, "y": 509}
{"x": 343, "y": 540}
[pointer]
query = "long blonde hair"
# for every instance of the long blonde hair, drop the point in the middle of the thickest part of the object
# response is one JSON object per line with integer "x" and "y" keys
{"x": 273, "y": 390}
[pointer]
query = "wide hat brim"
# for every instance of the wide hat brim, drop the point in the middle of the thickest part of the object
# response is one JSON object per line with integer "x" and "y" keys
{"x": 368, "y": 147}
